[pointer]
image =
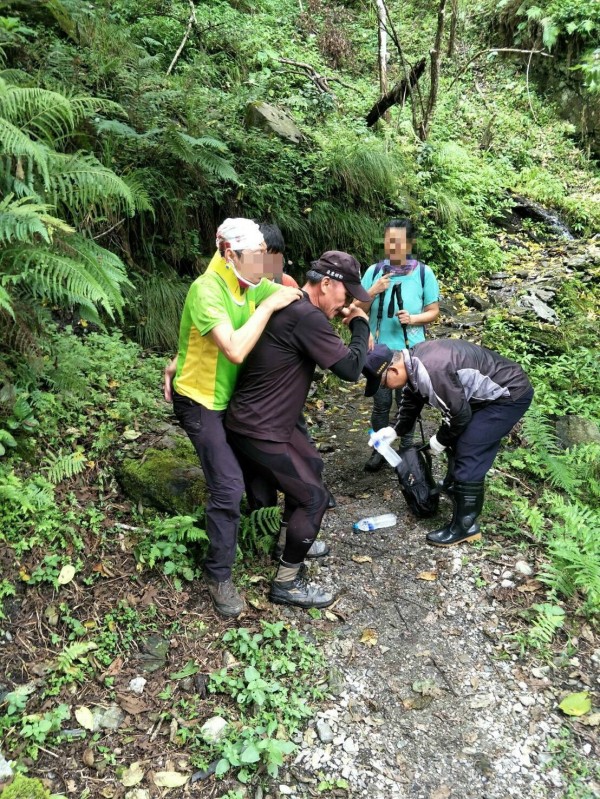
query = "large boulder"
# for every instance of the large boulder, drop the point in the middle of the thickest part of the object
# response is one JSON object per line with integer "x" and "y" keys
{"x": 273, "y": 120}
{"x": 168, "y": 478}
{"x": 573, "y": 430}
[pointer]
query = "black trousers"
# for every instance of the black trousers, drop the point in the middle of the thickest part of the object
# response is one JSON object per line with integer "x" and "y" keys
{"x": 223, "y": 475}
{"x": 295, "y": 468}
{"x": 478, "y": 445}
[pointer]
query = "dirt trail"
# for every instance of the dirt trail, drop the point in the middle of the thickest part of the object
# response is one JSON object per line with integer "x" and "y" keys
{"x": 424, "y": 706}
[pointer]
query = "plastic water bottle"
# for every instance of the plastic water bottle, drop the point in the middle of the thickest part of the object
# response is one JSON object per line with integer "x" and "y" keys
{"x": 375, "y": 522}
{"x": 384, "y": 448}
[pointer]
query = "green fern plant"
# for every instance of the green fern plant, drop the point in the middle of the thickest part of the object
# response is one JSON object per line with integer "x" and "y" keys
{"x": 548, "y": 620}
{"x": 61, "y": 466}
{"x": 258, "y": 530}
{"x": 574, "y": 551}
{"x": 72, "y": 661}
{"x": 546, "y": 458}
{"x": 42, "y": 259}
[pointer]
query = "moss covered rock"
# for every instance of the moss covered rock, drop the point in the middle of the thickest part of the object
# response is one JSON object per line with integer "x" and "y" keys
{"x": 169, "y": 479}
{"x": 25, "y": 788}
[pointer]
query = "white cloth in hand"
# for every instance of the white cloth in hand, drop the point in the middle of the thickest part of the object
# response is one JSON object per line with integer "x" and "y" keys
{"x": 386, "y": 435}
{"x": 435, "y": 446}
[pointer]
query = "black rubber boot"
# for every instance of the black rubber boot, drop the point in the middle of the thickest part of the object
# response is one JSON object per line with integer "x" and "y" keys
{"x": 375, "y": 462}
{"x": 446, "y": 486}
{"x": 468, "y": 502}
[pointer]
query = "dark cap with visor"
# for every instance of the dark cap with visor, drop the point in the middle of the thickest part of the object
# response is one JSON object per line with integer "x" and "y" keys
{"x": 344, "y": 267}
{"x": 378, "y": 360}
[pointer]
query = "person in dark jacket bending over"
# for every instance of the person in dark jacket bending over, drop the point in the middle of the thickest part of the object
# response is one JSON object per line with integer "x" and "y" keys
{"x": 262, "y": 417}
{"x": 481, "y": 395}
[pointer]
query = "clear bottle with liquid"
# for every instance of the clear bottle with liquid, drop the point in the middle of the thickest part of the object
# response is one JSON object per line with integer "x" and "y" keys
{"x": 375, "y": 522}
{"x": 384, "y": 448}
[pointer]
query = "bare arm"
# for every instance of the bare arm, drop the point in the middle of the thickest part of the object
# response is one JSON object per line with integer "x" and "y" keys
{"x": 236, "y": 344}
{"x": 170, "y": 370}
{"x": 427, "y": 315}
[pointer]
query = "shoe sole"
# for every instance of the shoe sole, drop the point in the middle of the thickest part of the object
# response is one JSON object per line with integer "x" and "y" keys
{"x": 319, "y": 605}
{"x": 225, "y": 615}
{"x": 476, "y": 537}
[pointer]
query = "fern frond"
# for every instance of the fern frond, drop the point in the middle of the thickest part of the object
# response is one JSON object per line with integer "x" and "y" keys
{"x": 41, "y": 113}
{"x": 136, "y": 182}
{"x": 164, "y": 290}
{"x": 86, "y": 274}
{"x": 67, "y": 659}
{"x": 16, "y": 142}
{"x": 23, "y": 219}
{"x": 199, "y": 153}
{"x": 266, "y": 521}
{"x": 83, "y": 184}
{"x": 16, "y": 77}
{"x": 119, "y": 129}
{"x": 84, "y": 106}
{"x": 63, "y": 467}
{"x": 5, "y": 302}
{"x": 553, "y": 466}
{"x": 549, "y": 619}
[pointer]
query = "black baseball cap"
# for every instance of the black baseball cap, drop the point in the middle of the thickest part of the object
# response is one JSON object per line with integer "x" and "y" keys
{"x": 342, "y": 266}
{"x": 377, "y": 362}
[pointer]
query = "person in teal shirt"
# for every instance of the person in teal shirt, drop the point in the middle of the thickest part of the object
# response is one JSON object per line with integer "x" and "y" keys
{"x": 405, "y": 297}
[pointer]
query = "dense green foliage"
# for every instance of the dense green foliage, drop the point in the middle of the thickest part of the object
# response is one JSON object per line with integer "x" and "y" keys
{"x": 123, "y": 145}
{"x": 113, "y": 164}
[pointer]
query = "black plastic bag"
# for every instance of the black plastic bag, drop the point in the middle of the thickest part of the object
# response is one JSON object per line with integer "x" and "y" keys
{"x": 417, "y": 483}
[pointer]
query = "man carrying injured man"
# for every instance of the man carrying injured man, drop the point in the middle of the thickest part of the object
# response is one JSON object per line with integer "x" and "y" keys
{"x": 481, "y": 396}
{"x": 262, "y": 417}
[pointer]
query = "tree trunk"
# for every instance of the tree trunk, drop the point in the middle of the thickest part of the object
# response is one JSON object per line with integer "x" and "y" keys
{"x": 382, "y": 51}
{"x": 397, "y": 94}
{"x": 453, "y": 24}
{"x": 435, "y": 57}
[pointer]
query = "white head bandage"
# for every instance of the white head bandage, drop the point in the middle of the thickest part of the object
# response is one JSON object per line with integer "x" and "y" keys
{"x": 239, "y": 234}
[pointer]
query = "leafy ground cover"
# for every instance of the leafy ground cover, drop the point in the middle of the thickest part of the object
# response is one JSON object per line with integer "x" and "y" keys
{"x": 98, "y": 591}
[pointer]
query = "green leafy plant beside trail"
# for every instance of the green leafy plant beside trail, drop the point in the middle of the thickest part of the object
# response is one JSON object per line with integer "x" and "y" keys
{"x": 277, "y": 675}
{"x": 178, "y": 544}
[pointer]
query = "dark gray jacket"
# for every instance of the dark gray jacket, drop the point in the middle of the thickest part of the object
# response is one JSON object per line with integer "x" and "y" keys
{"x": 456, "y": 377}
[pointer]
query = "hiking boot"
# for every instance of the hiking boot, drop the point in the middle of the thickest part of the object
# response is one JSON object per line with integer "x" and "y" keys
{"x": 301, "y": 593}
{"x": 375, "y": 462}
{"x": 225, "y": 597}
{"x": 291, "y": 587}
{"x": 467, "y": 499}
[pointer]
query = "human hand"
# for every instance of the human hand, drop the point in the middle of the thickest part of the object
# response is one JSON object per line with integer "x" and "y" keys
{"x": 281, "y": 298}
{"x": 387, "y": 435}
{"x": 435, "y": 446}
{"x": 404, "y": 318}
{"x": 380, "y": 285}
{"x": 352, "y": 312}
{"x": 170, "y": 370}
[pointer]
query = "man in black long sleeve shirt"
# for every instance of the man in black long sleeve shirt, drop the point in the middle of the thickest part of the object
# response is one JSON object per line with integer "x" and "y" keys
{"x": 481, "y": 396}
{"x": 271, "y": 391}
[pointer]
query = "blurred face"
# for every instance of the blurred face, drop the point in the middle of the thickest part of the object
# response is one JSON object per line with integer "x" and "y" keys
{"x": 396, "y": 245}
{"x": 250, "y": 265}
{"x": 332, "y": 297}
{"x": 273, "y": 265}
